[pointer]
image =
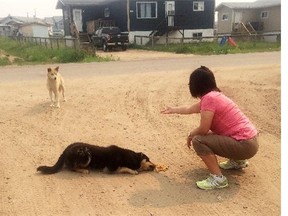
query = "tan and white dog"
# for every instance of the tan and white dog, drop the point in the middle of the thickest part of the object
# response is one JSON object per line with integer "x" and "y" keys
{"x": 55, "y": 85}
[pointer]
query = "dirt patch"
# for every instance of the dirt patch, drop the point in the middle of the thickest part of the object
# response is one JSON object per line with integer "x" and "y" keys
{"x": 133, "y": 55}
{"x": 119, "y": 103}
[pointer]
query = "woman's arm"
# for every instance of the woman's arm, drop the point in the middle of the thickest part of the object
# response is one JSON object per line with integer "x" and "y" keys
{"x": 185, "y": 109}
{"x": 203, "y": 128}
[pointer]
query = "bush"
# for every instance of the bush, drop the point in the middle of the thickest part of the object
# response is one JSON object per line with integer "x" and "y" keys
{"x": 69, "y": 55}
{"x": 4, "y": 61}
{"x": 214, "y": 48}
{"x": 33, "y": 53}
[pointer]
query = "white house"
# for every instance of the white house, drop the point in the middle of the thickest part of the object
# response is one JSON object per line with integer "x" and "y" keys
{"x": 34, "y": 29}
{"x": 261, "y": 16}
{"x": 27, "y": 26}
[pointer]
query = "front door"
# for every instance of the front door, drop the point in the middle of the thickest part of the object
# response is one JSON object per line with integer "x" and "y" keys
{"x": 170, "y": 12}
{"x": 77, "y": 18}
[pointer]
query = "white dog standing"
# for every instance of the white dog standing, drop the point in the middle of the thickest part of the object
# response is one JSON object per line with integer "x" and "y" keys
{"x": 55, "y": 84}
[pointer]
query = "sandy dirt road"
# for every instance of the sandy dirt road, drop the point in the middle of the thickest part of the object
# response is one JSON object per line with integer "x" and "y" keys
{"x": 119, "y": 103}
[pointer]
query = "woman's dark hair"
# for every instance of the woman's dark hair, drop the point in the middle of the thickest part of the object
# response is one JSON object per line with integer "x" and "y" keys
{"x": 201, "y": 82}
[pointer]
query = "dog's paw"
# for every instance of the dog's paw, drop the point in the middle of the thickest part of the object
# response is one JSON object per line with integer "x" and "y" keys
{"x": 134, "y": 172}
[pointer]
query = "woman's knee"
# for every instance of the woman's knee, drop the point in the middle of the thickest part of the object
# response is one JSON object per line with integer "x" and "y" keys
{"x": 196, "y": 140}
{"x": 199, "y": 146}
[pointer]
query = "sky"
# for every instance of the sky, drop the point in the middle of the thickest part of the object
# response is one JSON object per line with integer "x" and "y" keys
{"x": 46, "y": 8}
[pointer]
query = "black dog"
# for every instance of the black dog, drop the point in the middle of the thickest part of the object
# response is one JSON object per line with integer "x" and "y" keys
{"x": 81, "y": 157}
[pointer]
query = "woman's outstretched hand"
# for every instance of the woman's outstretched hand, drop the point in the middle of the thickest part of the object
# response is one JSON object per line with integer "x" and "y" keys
{"x": 167, "y": 110}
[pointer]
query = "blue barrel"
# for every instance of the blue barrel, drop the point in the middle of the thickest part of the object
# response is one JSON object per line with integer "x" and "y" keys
{"x": 223, "y": 41}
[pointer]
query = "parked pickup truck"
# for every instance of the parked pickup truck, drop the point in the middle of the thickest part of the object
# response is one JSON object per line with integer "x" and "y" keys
{"x": 110, "y": 37}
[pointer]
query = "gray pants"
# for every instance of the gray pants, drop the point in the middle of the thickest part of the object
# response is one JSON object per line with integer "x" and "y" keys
{"x": 225, "y": 146}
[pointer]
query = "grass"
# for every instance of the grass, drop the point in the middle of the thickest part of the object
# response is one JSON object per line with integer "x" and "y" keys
{"x": 30, "y": 53}
{"x": 213, "y": 48}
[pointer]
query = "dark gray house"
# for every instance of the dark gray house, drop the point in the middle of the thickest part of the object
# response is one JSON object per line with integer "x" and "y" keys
{"x": 140, "y": 17}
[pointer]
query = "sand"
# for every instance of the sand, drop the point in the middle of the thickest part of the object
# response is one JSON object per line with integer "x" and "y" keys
{"x": 119, "y": 103}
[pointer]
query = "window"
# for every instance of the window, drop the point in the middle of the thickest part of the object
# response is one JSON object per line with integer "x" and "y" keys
{"x": 198, "y": 6}
{"x": 146, "y": 10}
{"x": 106, "y": 12}
{"x": 170, "y": 8}
{"x": 224, "y": 17}
{"x": 197, "y": 35}
{"x": 264, "y": 14}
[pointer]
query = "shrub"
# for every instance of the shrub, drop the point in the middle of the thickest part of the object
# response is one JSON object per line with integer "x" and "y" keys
{"x": 33, "y": 53}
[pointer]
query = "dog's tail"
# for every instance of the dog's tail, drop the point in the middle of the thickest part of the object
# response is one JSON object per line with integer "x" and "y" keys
{"x": 53, "y": 169}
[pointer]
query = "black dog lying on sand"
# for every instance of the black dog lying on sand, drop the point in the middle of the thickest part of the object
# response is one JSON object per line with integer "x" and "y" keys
{"x": 82, "y": 157}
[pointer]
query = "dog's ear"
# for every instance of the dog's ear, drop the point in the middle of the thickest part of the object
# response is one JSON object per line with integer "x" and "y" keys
{"x": 57, "y": 68}
{"x": 143, "y": 156}
{"x": 49, "y": 69}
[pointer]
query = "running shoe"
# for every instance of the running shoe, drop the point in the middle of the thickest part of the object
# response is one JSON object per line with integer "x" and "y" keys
{"x": 212, "y": 182}
{"x": 233, "y": 164}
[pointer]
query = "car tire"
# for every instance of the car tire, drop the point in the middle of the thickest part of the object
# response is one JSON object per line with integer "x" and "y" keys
{"x": 124, "y": 47}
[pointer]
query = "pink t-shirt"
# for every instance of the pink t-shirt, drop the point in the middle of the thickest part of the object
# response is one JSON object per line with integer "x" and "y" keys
{"x": 228, "y": 120}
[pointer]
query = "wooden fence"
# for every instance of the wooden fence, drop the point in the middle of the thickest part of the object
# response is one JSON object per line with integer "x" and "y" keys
{"x": 152, "y": 40}
{"x": 63, "y": 42}
{"x": 50, "y": 42}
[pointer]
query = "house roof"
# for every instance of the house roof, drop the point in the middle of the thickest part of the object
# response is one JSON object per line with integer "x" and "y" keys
{"x": 53, "y": 20}
{"x": 35, "y": 24}
{"x": 22, "y": 20}
{"x": 4, "y": 25}
{"x": 62, "y": 3}
{"x": 249, "y": 5}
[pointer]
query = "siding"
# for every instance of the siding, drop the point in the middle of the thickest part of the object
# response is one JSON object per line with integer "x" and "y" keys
{"x": 273, "y": 22}
{"x": 225, "y": 26}
{"x": 185, "y": 17}
{"x": 34, "y": 31}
